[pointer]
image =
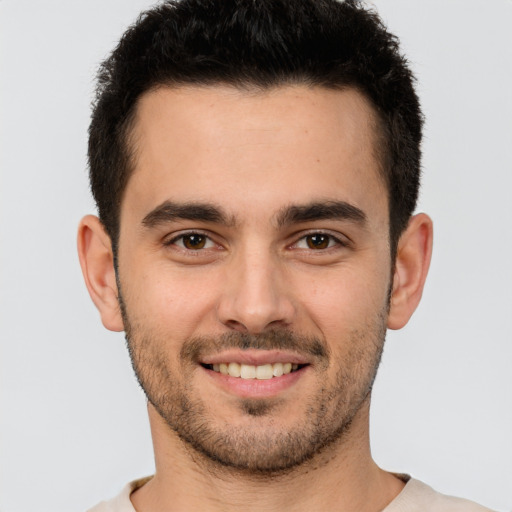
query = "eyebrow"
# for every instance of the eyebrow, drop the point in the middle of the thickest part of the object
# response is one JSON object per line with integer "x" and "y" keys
{"x": 320, "y": 210}
{"x": 170, "y": 211}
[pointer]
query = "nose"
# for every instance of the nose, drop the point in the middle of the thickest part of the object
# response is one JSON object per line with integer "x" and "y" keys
{"x": 256, "y": 296}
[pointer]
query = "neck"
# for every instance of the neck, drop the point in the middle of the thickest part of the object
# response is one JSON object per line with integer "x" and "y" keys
{"x": 342, "y": 477}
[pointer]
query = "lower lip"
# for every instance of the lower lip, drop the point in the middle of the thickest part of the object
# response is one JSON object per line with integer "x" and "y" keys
{"x": 255, "y": 388}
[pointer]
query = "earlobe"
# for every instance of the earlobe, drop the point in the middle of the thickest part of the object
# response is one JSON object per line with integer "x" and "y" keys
{"x": 97, "y": 262}
{"x": 411, "y": 268}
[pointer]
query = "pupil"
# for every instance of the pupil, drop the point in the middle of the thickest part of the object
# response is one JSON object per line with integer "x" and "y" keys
{"x": 318, "y": 241}
{"x": 194, "y": 241}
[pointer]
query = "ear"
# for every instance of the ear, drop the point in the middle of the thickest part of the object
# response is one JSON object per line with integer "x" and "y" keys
{"x": 411, "y": 268}
{"x": 97, "y": 262}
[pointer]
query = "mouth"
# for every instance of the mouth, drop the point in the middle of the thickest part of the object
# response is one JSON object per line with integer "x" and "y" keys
{"x": 254, "y": 372}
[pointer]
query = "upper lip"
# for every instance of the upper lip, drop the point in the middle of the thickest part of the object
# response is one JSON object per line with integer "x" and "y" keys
{"x": 254, "y": 357}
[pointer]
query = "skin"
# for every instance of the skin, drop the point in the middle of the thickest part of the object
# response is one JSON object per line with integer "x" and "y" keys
{"x": 257, "y": 157}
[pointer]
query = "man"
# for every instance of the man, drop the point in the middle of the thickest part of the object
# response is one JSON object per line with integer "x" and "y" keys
{"x": 256, "y": 168}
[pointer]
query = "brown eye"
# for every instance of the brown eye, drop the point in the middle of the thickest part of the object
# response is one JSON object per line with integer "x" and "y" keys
{"x": 194, "y": 241}
{"x": 318, "y": 241}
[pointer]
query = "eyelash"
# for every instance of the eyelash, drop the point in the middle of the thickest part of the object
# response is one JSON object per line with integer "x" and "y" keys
{"x": 332, "y": 241}
{"x": 182, "y": 236}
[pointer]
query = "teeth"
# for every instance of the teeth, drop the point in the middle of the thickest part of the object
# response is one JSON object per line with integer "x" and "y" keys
{"x": 262, "y": 372}
{"x": 246, "y": 371}
{"x": 234, "y": 369}
{"x": 278, "y": 370}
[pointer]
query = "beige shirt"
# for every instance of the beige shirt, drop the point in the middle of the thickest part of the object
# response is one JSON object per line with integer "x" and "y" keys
{"x": 415, "y": 497}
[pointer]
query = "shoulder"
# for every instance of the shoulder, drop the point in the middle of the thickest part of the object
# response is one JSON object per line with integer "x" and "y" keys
{"x": 419, "y": 497}
{"x": 121, "y": 502}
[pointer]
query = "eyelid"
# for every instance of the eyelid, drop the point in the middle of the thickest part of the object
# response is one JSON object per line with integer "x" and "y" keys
{"x": 339, "y": 239}
{"x": 174, "y": 237}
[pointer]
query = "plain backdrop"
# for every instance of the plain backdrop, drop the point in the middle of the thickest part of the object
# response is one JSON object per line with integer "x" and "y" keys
{"x": 73, "y": 420}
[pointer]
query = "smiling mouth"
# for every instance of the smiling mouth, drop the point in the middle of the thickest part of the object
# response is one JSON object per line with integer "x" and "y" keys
{"x": 260, "y": 372}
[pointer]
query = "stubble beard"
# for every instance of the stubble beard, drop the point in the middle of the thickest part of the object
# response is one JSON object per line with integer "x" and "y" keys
{"x": 259, "y": 447}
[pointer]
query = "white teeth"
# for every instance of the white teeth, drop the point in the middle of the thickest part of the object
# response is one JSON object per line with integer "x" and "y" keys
{"x": 261, "y": 372}
{"x": 278, "y": 369}
{"x": 247, "y": 371}
{"x": 265, "y": 371}
{"x": 234, "y": 370}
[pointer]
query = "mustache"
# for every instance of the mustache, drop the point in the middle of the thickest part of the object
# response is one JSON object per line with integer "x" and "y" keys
{"x": 196, "y": 348}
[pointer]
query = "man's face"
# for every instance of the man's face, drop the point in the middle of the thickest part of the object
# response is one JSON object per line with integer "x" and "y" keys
{"x": 254, "y": 234}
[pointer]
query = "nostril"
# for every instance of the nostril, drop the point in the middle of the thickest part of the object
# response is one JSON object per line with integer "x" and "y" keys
{"x": 236, "y": 326}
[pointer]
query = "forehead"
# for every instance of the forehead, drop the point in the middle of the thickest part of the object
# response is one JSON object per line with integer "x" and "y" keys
{"x": 230, "y": 146}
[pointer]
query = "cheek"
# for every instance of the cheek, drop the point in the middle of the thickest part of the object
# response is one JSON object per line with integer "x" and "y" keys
{"x": 345, "y": 299}
{"x": 170, "y": 301}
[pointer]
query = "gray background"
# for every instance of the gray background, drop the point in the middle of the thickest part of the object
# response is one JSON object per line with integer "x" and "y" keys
{"x": 73, "y": 421}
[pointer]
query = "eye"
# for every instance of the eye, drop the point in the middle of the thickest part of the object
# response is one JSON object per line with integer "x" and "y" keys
{"x": 317, "y": 241}
{"x": 192, "y": 241}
